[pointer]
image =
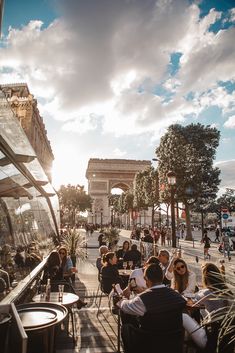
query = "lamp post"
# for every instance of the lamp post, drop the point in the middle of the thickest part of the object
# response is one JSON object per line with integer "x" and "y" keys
{"x": 101, "y": 218}
{"x": 171, "y": 179}
{"x": 95, "y": 218}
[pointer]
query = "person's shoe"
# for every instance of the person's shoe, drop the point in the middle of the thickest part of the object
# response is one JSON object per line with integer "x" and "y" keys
{"x": 81, "y": 304}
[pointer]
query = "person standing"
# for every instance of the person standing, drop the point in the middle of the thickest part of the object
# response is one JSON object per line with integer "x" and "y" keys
{"x": 217, "y": 235}
{"x": 226, "y": 245}
{"x": 206, "y": 240}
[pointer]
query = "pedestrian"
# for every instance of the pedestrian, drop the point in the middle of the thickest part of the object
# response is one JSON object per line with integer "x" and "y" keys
{"x": 217, "y": 234}
{"x": 206, "y": 240}
{"x": 226, "y": 245}
{"x": 168, "y": 236}
{"x": 163, "y": 237}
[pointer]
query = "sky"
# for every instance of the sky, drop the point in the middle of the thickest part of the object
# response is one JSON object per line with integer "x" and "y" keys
{"x": 111, "y": 75}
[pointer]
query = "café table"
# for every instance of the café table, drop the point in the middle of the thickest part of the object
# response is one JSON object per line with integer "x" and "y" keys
{"x": 124, "y": 274}
{"x": 67, "y": 300}
{"x": 39, "y": 321}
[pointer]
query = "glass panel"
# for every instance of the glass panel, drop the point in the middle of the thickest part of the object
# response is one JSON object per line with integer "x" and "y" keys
{"x": 11, "y": 131}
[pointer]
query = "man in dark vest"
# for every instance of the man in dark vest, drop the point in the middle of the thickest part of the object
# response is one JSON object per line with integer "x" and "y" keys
{"x": 159, "y": 310}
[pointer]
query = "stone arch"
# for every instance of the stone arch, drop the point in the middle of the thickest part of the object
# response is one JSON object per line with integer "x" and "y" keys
{"x": 105, "y": 174}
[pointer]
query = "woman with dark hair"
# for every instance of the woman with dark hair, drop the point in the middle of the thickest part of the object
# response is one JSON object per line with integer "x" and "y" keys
{"x": 66, "y": 263}
{"x": 121, "y": 252}
{"x": 109, "y": 272}
{"x": 53, "y": 269}
{"x": 182, "y": 280}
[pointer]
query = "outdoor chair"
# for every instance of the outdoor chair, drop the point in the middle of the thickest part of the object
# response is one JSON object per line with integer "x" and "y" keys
{"x": 136, "y": 340}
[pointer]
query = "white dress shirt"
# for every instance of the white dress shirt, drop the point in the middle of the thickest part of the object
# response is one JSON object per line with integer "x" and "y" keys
{"x": 135, "y": 306}
{"x": 138, "y": 274}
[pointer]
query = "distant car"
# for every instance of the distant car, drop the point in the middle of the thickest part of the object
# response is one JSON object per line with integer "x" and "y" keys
{"x": 211, "y": 227}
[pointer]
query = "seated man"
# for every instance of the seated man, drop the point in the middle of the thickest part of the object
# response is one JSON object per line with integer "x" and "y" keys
{"x": 133, "y": 255}
{"x": 160, "y": 317}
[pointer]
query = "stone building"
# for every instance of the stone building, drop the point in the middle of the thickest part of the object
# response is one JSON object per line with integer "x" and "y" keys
{"x": 25, "y": 108}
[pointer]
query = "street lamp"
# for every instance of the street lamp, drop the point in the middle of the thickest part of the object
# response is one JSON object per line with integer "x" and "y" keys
{"x": 171, "y": 179}
{"x": 101, "y": 218}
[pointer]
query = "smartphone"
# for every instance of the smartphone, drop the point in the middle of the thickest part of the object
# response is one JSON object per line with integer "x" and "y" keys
{"x": 118, "y": 289}
{"x": 133, "y": 283}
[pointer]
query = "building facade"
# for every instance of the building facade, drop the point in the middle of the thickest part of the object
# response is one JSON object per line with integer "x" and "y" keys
{"x": 24, "y": 105}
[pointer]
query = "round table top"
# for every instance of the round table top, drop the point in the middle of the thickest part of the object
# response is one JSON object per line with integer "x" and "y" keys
{"x": 40, "y": 316}
{"x": 68, "y": 299}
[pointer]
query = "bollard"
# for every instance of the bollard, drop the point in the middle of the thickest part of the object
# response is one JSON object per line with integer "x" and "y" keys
{"x": 193, "y": 242}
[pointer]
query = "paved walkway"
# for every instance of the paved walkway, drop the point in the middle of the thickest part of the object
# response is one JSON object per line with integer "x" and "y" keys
{"x": 97, "y": 335}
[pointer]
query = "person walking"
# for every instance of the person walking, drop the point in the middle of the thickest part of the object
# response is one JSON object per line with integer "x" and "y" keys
{"x": 217, "y": 235}
{"x": 206, "y": 240}
{"x": 226, "y": 245}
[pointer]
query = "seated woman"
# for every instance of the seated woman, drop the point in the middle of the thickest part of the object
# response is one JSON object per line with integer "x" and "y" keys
{"x": 53, "y": 269}
{"x": 109, "y": 272}
{"x": 122, "y": 252}
{"x": 66, "y": 264}
{"x": 215, "y": 293}
{"x": 182, "y": 280}
{"x": 214, "y": 296}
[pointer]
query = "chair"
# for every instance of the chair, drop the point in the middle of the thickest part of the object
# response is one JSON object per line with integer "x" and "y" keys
{"x": 103, "y": 293}
{"x": 136, "y": 340}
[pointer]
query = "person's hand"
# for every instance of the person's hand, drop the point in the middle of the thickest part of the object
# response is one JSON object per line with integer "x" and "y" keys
{"x": 138, "y": 290}
{"x": 74, "y": 270}
{"x": 127, "y": 292}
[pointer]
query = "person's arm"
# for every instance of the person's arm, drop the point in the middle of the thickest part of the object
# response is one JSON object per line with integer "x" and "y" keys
{"x": 169, "y": 271}
{"x": 191, "y": 284}
{"x": 134, "y": 306}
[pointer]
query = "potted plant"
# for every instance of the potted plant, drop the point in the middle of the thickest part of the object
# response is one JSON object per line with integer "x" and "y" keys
{"x": 111, "y": 237}
{"x": 75, "y": 242}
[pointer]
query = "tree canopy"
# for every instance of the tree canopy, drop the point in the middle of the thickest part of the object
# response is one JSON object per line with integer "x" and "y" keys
{"x": 73, "y": 199}
{"x": 189, "y": 151}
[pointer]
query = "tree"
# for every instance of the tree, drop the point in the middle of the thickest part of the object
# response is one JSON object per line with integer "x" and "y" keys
{"x": 73, "y": 199}
{"x": 227, "y": 200}
{"x": 189, "y": 152}
{"x": 146, "y": 190}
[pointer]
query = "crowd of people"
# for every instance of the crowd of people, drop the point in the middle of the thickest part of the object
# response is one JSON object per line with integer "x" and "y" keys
{"x": 161, "y": 293}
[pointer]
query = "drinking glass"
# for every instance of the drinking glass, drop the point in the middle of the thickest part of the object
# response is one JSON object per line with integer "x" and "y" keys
{"x": 42, "y": 292}
{"x": 61, "y": 292}
{"x": 130, "y": 264}
{"x": 124, "y": 265}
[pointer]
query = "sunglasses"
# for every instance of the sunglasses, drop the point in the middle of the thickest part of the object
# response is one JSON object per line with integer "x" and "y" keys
{"x": 62, "y": 253}
{"x": 178, "y": 268}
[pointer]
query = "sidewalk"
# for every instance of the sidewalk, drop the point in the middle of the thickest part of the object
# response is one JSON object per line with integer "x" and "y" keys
{"x": 95, "y": 335}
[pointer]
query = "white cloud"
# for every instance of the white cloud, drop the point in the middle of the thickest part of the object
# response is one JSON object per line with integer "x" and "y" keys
{"x": 227, "y": 173}
{"x": 114, "y": 53}
{"x": 118, "y": 153}
{"x": 97, "y": 67}
{"x": 230, "y": 123}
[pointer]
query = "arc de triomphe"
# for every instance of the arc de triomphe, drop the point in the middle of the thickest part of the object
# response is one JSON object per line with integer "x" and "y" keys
{"x": 105, "y": 174}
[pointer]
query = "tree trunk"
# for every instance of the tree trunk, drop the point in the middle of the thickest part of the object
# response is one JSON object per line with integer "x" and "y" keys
{"x": 189, "y": 235}
{"x": 152, "y": 216}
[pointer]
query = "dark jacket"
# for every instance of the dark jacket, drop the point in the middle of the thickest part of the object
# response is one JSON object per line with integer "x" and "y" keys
{"x": 109, "y": 276}
{"x": 133, "y": 255}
